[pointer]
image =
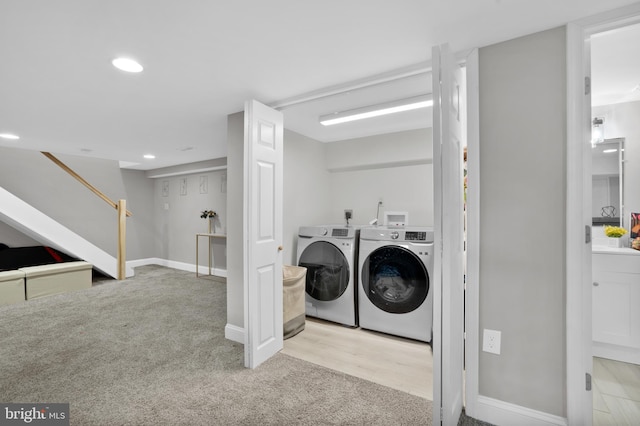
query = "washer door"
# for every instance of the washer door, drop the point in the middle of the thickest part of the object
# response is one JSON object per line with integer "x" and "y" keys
{"x": 395, "y": 279}
{"x": 327, "y": 271}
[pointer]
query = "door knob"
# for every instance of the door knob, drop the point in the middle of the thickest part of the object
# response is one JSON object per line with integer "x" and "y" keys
{"x": 280, "y": 248}
{"x": 595, "y": 284}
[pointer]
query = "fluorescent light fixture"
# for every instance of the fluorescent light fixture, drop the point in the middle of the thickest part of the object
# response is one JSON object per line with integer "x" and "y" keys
{"x": 609, "y": 151}
{"x": 9, "y": 136}
{"x": 401, "y": 105}
{"x": 126, "y": 64}
{"x": 149, "y": 156}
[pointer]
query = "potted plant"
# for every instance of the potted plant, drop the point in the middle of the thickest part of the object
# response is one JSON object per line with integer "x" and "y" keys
{"x": 211, "y": 216}
{"x": 615, "y": 234}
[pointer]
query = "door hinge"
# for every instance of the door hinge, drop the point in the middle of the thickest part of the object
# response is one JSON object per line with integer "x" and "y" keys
{"x": 587, "y": 85}
{"x": 588, "y": 381}
{"x": 587, "y": 234}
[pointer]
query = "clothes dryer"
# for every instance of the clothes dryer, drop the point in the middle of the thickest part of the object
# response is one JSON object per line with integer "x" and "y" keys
{"x": 330, "y": 255}
{"x": 394, "y": 292}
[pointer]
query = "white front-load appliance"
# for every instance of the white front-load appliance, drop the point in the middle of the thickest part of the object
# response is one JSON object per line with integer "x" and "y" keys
{"x": 394, "y": 293}
{"x": 330, "y": 255}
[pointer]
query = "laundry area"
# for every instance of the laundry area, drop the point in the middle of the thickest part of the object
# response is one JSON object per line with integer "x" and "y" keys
{"x": 358, "y": 216}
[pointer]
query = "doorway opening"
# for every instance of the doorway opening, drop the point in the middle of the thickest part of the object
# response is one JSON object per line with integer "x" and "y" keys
{"x": 579, "y": 290}
{"x": 367, "y": 167}
{"x": 615, "y": 106}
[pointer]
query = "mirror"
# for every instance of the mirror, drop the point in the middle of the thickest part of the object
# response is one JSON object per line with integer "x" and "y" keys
{"x": 607, "y": 174}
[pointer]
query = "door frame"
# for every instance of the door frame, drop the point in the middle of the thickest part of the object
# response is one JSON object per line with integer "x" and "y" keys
{"x": 578, "y": 253}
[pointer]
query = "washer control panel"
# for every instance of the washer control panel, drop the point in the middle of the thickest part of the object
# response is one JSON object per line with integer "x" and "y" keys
{"x": 339, "y": 232}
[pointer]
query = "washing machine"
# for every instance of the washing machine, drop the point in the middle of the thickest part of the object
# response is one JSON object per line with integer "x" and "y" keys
{"x": 330, "y": 255}
{"x": 394, "y": 293}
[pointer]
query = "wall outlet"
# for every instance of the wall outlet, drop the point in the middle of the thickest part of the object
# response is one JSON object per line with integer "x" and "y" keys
{"x": 348, "y": 214}
{"x": 491, "y": 341}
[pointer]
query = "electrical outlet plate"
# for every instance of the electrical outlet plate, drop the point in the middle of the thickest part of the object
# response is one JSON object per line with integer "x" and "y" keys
{"x": 491, "y": 341}
{"x": 348, "y": 214}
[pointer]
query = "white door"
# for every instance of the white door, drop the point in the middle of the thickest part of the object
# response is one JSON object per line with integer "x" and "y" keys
{"x": 448, "y": 310}
{"x": 263, "y": 143}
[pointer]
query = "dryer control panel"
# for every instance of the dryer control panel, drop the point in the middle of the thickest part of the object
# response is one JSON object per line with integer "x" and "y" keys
{"x": 415, "y": 236}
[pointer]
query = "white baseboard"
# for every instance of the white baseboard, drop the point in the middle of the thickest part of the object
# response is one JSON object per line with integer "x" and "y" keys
{"x": 499, "y": 412}
{"x": 234, "y": 333}
{"x": 143, "y": 262}
{"x": 189, "y": 267}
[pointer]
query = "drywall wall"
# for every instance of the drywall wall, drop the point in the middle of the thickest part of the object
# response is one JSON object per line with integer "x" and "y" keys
{"x": 38, "y": 181}
{"x": 307, "y": 197}
{"x": 621, "y": 121}
{"x": 386, "y": 150}
{"x": 14, "y": 238}
{"x": 235, "y": 226}
{"x": 394, "y": 167}
{"x": 522, "y": 218}
{"x": 178, "y": 203}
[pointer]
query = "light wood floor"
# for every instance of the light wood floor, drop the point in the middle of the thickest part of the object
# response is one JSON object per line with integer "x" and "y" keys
{"x": 398, "y": 363}
{"x": 616, "y": 393}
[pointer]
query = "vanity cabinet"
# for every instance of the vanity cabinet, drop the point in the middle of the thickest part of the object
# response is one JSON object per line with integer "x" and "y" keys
{"x": 616, "y": 304}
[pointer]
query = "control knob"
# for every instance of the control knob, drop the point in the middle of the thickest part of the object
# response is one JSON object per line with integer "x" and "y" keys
{"x": 395, "y": 235}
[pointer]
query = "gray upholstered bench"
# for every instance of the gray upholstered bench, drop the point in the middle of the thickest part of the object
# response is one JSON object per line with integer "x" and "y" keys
{"x": 47, "y": 280}
{"x": 11, "y": 287}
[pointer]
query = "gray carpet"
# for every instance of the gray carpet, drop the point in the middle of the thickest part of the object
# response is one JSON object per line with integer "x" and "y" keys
{"x": 151, "y": 351}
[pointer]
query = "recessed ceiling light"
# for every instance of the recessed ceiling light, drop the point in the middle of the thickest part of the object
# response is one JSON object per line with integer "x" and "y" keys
{"x": 9, "y": 136}
{"x": 126, "y": 64}
{"x": 149, "y": 156}
{"x": 609, "y": 151}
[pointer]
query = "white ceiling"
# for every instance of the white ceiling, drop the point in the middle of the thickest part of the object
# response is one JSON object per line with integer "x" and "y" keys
{"x": 615, "y": 66}
{"x": 204, "y": 58}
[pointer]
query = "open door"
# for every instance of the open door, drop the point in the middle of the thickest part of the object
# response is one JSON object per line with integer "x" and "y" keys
{"x": 263, "y": 140}
{"x": 448, "y": 310}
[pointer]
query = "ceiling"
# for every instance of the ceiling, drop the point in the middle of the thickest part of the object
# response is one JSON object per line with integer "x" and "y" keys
{"x": 615, "y": 66}
{"x": 204, "y": 58}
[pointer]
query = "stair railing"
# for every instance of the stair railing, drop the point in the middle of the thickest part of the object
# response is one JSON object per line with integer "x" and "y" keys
{"x": 120, "y": 206}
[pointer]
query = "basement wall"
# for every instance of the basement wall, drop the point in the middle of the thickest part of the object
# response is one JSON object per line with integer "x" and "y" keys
{"x": 522, "y": 220}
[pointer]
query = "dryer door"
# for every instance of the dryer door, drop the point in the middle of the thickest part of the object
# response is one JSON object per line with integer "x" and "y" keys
{"x": 327, "y": 271}
{"x": 395, "y": 279}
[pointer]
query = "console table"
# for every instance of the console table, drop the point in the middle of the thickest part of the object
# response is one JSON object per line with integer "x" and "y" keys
{"x": 209, "y": 236}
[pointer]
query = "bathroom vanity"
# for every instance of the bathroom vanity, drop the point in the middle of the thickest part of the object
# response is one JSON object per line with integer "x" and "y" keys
{"x": 616, "y": 303}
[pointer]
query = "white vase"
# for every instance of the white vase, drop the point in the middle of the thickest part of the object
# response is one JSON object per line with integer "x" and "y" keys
{"x": 615, "y": 242}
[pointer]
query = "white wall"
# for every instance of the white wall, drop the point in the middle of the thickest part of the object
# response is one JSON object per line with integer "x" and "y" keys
{"x": 522, "y": 218}
{"x": 14, "y": 238}
{"x": 623, "y": 121}
{"x": 307, "y": 194}
{"x": 177, "y": 216}
{"x": 235, "y": 233}
{"x": 395, "y": 167}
